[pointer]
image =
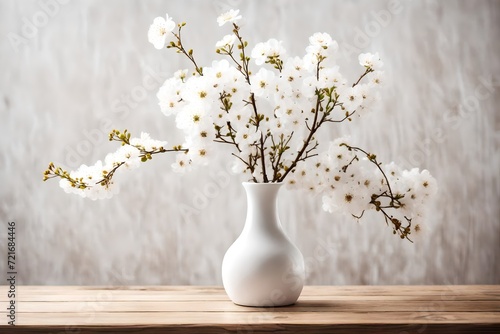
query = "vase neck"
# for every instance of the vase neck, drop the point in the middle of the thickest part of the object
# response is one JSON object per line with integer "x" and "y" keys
{"x": 262, "y": 209}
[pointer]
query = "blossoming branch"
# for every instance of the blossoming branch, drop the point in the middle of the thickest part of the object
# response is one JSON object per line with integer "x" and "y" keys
{"x": 266, "y": 109}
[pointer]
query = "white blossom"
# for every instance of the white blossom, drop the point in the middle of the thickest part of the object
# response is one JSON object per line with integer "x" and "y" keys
{"x": 377, "y": 78}
{"x": 169, "y": 96}
{"x": 192, "y": 116}
{"x": 331, "y": 77}
{"x": 219, "y": 74}
{"x": 147, "y": 143}
{"x": 263, "y": 51}
{"x": 181, "y": 74}
{"x": 158, "y": 31}
{"x": 182, "y": 163}
{"x": 321, "y": 39}
{"x": 351, "y": 98}
{"x": 247, "y": 136}
{"x": 262, "y": 81}
{"x": 370, "y": 60}
{"x": 293, "y": 70}
{"x": 230, "y": 16}
{"x": 128, "y": 155}
{"x": 240, "y": 117}
{"x": 201, "y": 153}
{"x": 199, "y": 89}
{"x": 226, "y": 42}
{"x": 321, "y": 44}
{"x": 310, "y": 85}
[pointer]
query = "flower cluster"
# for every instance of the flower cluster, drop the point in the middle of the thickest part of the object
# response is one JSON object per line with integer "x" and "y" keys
{"x": 268, "y": 118}
{"x": 352, "y": 181}
{"x": 96, "y": 181}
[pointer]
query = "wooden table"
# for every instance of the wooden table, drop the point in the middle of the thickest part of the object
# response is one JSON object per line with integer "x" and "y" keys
{"x": 196, "y": 309}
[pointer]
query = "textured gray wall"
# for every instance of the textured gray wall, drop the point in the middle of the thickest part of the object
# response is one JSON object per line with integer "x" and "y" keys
{"x": 85, "y": 66}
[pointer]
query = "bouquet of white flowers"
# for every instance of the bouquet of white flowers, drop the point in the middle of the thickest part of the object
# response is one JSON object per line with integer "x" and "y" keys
{"x": 268, "y": 118}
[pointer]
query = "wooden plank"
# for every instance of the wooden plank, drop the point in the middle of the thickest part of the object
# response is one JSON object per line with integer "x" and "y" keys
{"x": 263, "y": 328}
{"x": 55, "y": 293}
{"x": 239, "y": 318}
{"x": 308, "y": 290}
{"x": 139, "y": 298}
{"x": 320, "y": 309}
{"x": 227, "y": 306}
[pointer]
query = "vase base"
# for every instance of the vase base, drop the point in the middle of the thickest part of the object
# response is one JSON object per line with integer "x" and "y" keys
{"x": 264, "y": 306}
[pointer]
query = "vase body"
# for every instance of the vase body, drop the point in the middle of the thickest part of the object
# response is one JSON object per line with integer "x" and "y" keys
{"x": 263, "y": 267}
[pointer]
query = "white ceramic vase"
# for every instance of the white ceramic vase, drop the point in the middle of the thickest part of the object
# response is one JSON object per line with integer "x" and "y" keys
{"x": 263, "y": 267}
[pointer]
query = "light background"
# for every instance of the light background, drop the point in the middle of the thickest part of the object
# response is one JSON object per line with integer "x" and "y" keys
{"x": 61, "y": 83}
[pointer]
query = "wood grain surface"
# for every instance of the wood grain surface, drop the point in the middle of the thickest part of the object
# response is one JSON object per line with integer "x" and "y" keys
{"x": 200, "y": 309}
